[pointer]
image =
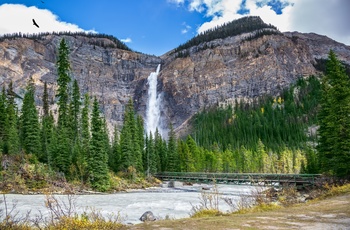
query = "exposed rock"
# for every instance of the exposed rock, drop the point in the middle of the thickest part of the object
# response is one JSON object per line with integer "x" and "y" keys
{"x": 225, "y": 71}
{"x": 148, "y": 216}
{"x": 110, "y": 74}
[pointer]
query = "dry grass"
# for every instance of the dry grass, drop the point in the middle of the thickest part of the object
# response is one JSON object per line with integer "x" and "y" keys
{"x": 330, "y": 212}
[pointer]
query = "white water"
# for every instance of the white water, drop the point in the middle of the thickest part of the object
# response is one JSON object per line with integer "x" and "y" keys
{"x": 153, "y": 104}
{"x": 174, "y": 203}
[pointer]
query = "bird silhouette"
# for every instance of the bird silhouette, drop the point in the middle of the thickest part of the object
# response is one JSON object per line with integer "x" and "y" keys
{"x": 35, "y": 24}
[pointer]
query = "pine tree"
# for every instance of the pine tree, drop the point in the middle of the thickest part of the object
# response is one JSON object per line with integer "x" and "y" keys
{"x": 114, "y": 156}
{"x": 12, "y": 141}
{"x": 30, "y": 129}
{"x": 126, "y": 139}
{"x": 85, "y": 139}
{"x": 76, "y": 111}
{"x": 334, "y": 132}
{"x": 3, "y": 118}
{"x": 98, "y": 156}
{"x": 63, "y": 153}
{"x": 173, "y": 157}
{"x": 63, "y": 81}
{"x": 47, "y": 127}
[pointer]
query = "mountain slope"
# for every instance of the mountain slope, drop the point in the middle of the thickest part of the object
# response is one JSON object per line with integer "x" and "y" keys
{"x": 222, "y": 70}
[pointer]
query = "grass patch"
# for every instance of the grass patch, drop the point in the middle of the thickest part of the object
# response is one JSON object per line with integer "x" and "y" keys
{"x": 207, "y": 213}
{"x": 259, "y": 208}
{"x": 335, "y": 190}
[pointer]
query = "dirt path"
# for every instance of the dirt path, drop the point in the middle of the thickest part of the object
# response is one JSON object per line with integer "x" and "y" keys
{"x": 332, "y": 213}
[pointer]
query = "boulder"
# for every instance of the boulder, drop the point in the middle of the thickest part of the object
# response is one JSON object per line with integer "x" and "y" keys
{"x": 147, "y": 216}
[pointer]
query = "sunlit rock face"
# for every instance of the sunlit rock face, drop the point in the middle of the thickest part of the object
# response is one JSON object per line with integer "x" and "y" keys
{"x": 216, "y": 72}
{"x": 110, "y": 74}
{"x": 234, "y": 69}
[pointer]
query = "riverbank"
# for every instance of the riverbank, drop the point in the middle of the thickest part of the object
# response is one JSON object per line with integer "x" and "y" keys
{"x": 329, "y": 213}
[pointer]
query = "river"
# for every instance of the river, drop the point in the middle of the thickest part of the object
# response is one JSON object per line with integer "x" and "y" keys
{"x": 171, "y": 203}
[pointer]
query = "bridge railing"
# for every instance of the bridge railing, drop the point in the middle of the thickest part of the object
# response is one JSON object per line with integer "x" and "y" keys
{"x": 242, "y": 178}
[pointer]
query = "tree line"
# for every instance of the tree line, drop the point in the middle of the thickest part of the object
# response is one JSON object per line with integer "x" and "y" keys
{"x": 268, "y": 135}
{"x": 233, "y": 28}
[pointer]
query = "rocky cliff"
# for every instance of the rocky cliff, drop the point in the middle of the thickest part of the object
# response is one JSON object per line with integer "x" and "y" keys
{"x": 109, "y": 73}
{"x": 219, "y": 71}
{"x": 236, "y": 68}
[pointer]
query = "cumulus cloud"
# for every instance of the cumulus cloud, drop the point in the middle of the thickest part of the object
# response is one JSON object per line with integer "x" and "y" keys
{"x": 126, "y": 40}
{"x": 17, "y": 18}
{"x": 329, "y": 18}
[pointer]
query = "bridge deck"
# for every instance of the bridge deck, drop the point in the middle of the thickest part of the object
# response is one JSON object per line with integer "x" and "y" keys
{"x": 242, "y": 178}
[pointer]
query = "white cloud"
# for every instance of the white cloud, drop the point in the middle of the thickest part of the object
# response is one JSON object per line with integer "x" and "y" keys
{"x": 16, "y": 18}
{"x": 126, "y": 40}
{"x": 177, "y": 2}
{"x": 330, "y": 18}
{"x": 186, "y": 29}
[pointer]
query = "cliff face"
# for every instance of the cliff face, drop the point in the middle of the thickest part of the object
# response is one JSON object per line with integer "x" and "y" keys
{"x": 236, "y": 69}
{"x": 110, "y": 74}
{"x": 230, "y": 69}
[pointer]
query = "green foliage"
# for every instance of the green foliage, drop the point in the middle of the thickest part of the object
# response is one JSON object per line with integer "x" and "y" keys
{"x": 12, "y": 141}
{"x": 334, "y": 132}
{"x": 131, "y": 142}
{"x": 63, "y": 81}
{"x": 30, "y": 129}
{"x": 236, "y": 27}
{"x": 113, "y": 42}
{"x": 98, "y": 156}
{"x": 276, "y": 122}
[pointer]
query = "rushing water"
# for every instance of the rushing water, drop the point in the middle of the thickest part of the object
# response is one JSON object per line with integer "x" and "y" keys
{"x": 153, "y": 104}
{"x": 163, "y": 202}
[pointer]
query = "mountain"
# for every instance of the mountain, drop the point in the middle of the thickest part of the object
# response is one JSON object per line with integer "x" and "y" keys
{"x": 239, "y": 65}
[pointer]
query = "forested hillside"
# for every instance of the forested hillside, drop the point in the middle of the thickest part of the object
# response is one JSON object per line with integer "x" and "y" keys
{"x": 236, "y": 27}
{"x": 267, "y": 135}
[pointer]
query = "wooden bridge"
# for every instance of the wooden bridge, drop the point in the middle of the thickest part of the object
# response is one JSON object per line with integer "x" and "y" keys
{"x": 262, "y": 179}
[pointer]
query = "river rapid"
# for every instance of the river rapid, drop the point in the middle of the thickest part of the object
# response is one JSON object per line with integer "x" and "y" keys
{"x": 174, "y": 203}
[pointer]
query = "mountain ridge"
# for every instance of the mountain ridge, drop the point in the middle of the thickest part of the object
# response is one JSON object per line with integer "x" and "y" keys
{"x": 227, "y": 69}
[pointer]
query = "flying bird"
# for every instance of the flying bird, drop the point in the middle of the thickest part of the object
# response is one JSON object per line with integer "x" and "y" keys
{"x": 35, "y": 24}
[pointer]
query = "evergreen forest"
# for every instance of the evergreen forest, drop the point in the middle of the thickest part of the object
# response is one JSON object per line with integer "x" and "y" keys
{"x": 273, "y": 134}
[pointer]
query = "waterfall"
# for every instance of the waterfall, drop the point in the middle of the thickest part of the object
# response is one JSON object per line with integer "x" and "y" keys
{"x": 153, "y": 104}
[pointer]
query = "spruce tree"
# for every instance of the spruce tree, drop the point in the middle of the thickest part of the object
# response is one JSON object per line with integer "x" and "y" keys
{"x": 334, "y": 131}
{"x": 63, "y": 155}
{"x": 63, "y": 81}
{"x": 12, "y": 141}
{"x": 98, "y": 156}
{"x": 3, "y": 119}
{"x": 47, "y": 128}
{"x": 30, "y": 129}
{"x": 173, "y": 157}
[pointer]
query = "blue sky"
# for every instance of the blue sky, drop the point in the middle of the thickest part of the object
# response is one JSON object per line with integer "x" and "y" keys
{"x": 157, "y": 26}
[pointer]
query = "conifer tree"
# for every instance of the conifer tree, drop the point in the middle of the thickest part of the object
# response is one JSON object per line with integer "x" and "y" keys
{"x": 47, "y": 128}
{"x": 173, "y": 157}
{"x": 334, "y": 132}
{"x": 12, "y": 141}
{"x": 126, "y": 139}
{"x": 3, "y": 119}
{"x": 114, "y": 156}
{"x": 63, "y": 81}
{"x": 30, "y": 129}
{"x": 63, "y": 154}
{"x": 98, "y": 156}
{"x": 76, "y": 111}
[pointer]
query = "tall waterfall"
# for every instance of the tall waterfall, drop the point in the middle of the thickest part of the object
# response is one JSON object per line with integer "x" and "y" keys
{"x": 153, "y": 104}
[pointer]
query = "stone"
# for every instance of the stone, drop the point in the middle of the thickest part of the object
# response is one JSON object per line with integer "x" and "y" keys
{"x": 230, "y": 70}
{"x": 147, "y": 216}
